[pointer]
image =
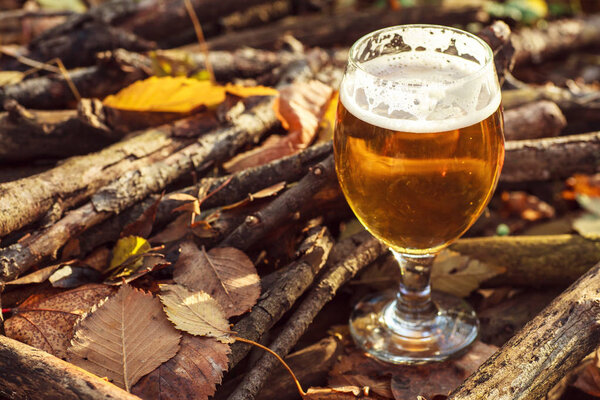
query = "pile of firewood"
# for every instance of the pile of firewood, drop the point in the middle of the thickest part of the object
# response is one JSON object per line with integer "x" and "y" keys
{"x": 76, "y": 175}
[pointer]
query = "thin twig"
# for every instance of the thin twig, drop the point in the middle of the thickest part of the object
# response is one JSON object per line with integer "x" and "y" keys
{"x": 200, "y": 35}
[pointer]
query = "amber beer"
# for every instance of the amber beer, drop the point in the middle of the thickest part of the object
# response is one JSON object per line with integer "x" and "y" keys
{"x": 417, "y": 191}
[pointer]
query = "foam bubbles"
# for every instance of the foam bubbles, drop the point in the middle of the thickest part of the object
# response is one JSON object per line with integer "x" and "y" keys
{"x": 420, "y": 80}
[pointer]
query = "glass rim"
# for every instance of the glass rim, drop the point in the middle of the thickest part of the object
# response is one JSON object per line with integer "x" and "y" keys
{"x": 476, "y": 74}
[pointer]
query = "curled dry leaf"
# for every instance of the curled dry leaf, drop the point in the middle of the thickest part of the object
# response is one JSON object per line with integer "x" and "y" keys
{"x": 193, "y": 373}
{"x": 195, "y": 312}
{"x": 47, "y": 323}
{"x": 226, "y": 274}
{"x": 124, "y": 338}
{"x": 300, "y": 108}
{"x": 588, "y": 376}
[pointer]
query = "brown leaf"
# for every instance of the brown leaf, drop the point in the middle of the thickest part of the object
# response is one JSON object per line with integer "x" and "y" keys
{"x": 142, "y": 226}
{"x": 124, "y": 338}
{"x": 176, "y": 230}
{"x": 38, "y": 276}
{"x": 47, "y": 323}
{"x": 193, "y": 373}
{"x": 98, "y": 259}
{"x": 225, "y": 273}
{"x": 300, "y": 108}
{"x": 407, "y": 381}
{"x": 588, "y": 379}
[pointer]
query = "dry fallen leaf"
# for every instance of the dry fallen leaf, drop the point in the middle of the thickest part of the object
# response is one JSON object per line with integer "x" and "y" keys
{"x": 124, "y": 338}
{"x": 300, "y": 108}
{"x": 459, "y": 275}
{"x": 47, "y": 323}
{"x": 38, "y": 276}
{"x": 225, "y": 273}
{"x": 193, "y": 373}
{"x": 177, "y": 95}
{"x": 175, "y": 230}
{"x": 588, "y": 378}
{"x": 327, "y": 123}
{"x": 128, "y": 255}
{"x": 195, "y": 312}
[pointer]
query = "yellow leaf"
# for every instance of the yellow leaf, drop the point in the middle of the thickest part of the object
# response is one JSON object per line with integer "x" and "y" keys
{"x": 167, "y": 94}
{"x": 126, "y": 248}
{"x": 327, "y": 123}
{"x": 247, "y": 91}
{"x": 195, "y": 312}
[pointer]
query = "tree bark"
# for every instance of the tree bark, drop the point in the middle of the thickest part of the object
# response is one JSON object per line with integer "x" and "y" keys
{"x": 557, "y": 38}
{"x": 282, "y": 295}
{"x": 28, "y": 373}
{"x": 112, "y": 72}
{"x": 530, "y": 364}
{"x": 551, "y": 158}
{"x": 533, "y": 121}
{"x": 553, "y": 260}
{"x": 135, "y": 184}
{"x": 258, "y": 225}
{"x": 25, "y": 201}
{"x": 241, "y": 184}
{"x": 297, "y": 324}
{"x": 342, "y": 28}
{"x": 28, "y": 135}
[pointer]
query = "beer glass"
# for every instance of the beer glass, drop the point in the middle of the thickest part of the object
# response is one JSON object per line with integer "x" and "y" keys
{"x": 419, "y": 146}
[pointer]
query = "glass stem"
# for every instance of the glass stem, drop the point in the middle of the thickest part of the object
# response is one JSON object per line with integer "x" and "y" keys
{"x": 414, "y": 305}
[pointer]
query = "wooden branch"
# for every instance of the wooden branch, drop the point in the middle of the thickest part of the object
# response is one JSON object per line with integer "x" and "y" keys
{"x": 258, "y": 225}
{"x": 88, "y": 37}
{"x": 578, "y": 108}
{"x": 282, "y": 295}
{"x": 27, "y": 135}
{"x": 241, "y": 184}
{"x": 29, "y": 373}
{"x": 297, "y": 324}
{"x": 112, "y": 72}
{"x": 77, "y": 178}
{"x": 557, "y": 38}
{"x": 553, "y": 260}
{"x": 136, "y": 184}
{"x": 533, "y": 121}
{"x": 529, "y": 365}
{"x": 343, "y": 28}
{"x": 551, "y": 158}
{"x": 497, "y": 36}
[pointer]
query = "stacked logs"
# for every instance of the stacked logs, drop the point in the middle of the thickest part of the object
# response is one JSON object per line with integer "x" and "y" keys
{"x": 91, "y": 198}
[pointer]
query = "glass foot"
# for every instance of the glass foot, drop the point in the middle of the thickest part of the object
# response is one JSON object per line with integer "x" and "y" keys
{"x": 377, "y": 329}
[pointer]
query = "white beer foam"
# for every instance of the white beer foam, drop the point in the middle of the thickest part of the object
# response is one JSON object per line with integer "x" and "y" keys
{"x": 423, "y": 89}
